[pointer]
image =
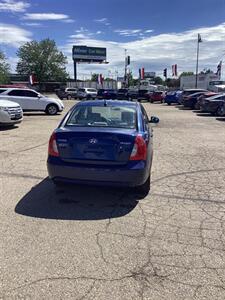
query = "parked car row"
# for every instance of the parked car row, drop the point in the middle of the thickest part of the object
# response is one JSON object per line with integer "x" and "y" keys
{"x": 15, "y": 101}
{"x": 74, "y": 93}
{"x": 198, "y": 99}
{"x": 111, "y": 94}
{"x": 131, "y": 94}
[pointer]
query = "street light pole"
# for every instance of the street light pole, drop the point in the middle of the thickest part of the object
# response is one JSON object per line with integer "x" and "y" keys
{"x": 196, "y": 78}
{"x": 125, "y": 71}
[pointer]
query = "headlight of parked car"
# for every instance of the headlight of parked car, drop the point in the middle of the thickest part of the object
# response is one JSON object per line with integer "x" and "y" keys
{"x": 4, "y": 108}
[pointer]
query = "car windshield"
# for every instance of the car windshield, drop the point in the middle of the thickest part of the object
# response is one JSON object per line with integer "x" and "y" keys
{"x": 103, "y": 116}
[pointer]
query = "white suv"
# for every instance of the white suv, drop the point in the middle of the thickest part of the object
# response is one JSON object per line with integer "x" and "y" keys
{"x": 10, "y": 113}
{"x": 86, "y": 93}
{"x": 31, "y": 100}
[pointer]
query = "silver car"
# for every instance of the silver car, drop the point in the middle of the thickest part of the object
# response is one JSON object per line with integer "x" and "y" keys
{"x": 86, "y": 93}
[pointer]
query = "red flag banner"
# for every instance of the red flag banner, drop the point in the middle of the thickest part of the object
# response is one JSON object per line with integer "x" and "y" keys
{"x": 100, "y": 79}
{"x": 174, "y": 70}
{"x": 219, "y": 69}
{"x": 142, "y": 73}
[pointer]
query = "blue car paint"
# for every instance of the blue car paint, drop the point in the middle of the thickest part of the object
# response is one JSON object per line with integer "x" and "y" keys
{"x": 173, "y": 97}
{"x": 98, "y": 168}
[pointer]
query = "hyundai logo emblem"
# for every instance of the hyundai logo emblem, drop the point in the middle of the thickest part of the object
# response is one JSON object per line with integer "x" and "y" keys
{"x": 93, "y": 141}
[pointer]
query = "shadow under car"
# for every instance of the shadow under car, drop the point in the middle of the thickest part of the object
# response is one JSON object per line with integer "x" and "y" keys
{"x": 78, "y": 202}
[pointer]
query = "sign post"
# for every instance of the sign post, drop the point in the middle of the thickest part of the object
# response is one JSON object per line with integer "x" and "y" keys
{"x": 84, "y": 54}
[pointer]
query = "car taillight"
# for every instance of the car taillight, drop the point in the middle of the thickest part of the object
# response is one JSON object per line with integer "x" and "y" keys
{"x": 52, "y": 146}
{"x": 139, "y": 151}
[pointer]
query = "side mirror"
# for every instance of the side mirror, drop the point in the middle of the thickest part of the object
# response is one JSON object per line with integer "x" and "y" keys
{"x": 154, "y": 120}
{"x": 39, "y": 96}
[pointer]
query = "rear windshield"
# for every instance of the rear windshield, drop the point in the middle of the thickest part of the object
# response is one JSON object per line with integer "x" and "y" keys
{"x": 91, "y": 90}
{"x": 103, "y": 116}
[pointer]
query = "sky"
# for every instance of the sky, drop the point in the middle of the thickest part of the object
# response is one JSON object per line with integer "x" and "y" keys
{"x": 156, "y": 34}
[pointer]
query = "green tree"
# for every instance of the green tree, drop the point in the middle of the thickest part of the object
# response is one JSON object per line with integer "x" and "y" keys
{"x": 94, "y": 77}
{"x": 172, "y": 83}
{"x": 186, "y": 74}
{"x": 159, "y": 80}
{"x": 4, "y": 69}
{"x": 42, "y": 59}
{"x": 206, "y": 71}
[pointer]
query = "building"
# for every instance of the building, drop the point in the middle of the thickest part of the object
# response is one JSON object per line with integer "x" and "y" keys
{"x": 188, "y": 82}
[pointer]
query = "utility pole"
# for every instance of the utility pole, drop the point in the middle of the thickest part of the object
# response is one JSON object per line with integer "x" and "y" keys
{"x": 125, "y": 71}
{"x": 75, "y": 70}
{"x": 196, "y": 78}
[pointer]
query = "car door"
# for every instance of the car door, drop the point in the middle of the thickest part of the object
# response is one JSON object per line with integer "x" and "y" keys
{"x": 148, "y": 134}
{"x": 33, "y": 100}
{"x": 16, "y": 95}
{"x": 27, "y": 99}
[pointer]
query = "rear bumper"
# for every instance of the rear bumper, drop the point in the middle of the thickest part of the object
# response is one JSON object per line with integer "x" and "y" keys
{"x": 106, "y": 176}
{"x": 170, "y": 101}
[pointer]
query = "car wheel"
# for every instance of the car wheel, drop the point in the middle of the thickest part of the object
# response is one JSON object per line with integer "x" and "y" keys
{"x": 144, "y": 188}
{"x": 168, "y": 103}
{"x": 197, "y": 106}
{"x": 220, "y": 111}
{"x": 69, "y": 97}
{"x": 51, "y": 109}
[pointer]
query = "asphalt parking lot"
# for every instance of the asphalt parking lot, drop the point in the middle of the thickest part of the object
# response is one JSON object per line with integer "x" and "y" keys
{"x": 102, "y": 243}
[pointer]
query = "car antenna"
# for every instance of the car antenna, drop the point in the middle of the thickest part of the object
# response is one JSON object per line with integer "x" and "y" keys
{"x": 105, "y": 103}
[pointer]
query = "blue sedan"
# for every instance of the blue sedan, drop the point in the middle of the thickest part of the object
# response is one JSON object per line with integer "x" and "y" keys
{"x": 103, "y": 142}
{"x": 173, "y": 97}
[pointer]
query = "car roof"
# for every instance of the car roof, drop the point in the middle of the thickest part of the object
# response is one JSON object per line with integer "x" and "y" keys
{"x": 26, "y": 89}
{"x": 198, "y": 93}
{"x": 109, "y": 102}
{"x": 192, "y": 90}
{"x": 217, "y": 96}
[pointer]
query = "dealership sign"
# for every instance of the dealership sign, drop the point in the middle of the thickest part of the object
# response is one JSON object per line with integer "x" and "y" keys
{"x": 149, "y": 74}
{"x": 89, "y": 54}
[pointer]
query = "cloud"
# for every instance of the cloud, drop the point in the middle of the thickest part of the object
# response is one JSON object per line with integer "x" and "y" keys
{"x": 83, "y": 33}
{"x": 68, "y": 21}
{"x": 12, "y": 35}
{"x": 47, "y": 17}
{"x": 158, "y": 51}
{"x": 133, "y": 32}
{"x": 149, "y": 31}
{"x": 128, "y": 32}
{"x": 32, "y": 24}
{"x": 13, "y": 6}
{"x": 103, "y": 21}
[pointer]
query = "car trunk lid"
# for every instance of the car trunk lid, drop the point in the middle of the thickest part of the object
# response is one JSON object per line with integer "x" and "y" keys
{"x": 101, "y": 146}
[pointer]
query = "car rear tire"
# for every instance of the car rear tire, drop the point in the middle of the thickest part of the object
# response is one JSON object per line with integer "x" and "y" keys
{"x": 144, "y": 188}
{"x": 220, "y": 111}
{"x": 168, "y": 103}
{"x": 197, "y": 106}
{"x": 51, "y": 109}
